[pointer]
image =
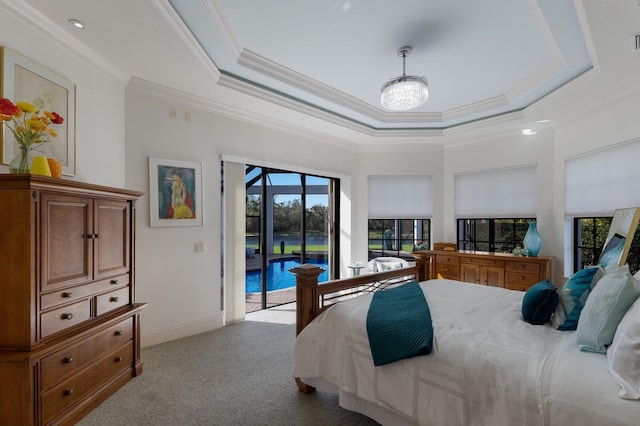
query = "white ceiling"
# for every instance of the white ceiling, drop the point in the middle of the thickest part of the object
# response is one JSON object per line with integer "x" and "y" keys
{"x": 489, "y": 61}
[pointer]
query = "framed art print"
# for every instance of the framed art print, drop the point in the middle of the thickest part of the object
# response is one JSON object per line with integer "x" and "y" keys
{"x": 175, "y": 193}
{"x": 26, "y": 81}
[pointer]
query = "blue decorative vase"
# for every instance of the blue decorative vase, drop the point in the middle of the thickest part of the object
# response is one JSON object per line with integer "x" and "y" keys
{"x": 532, "y": 241}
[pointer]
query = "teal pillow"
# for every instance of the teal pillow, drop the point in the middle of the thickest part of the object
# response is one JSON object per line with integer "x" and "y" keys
{"x": 539, "y": 303}
{"x": 605, "y": 307}
{"x": 573, "y": 297}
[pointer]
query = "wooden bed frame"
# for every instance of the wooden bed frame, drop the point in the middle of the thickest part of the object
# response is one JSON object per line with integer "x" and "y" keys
{"x": 312, "y": 297}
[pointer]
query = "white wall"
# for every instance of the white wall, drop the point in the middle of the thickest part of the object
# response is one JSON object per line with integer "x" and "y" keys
{"x": 99, "y": 102}
{"x": 182, "y": 287}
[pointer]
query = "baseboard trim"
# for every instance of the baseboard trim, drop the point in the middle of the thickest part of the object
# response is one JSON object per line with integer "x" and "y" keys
{"x": 184, "y": 330}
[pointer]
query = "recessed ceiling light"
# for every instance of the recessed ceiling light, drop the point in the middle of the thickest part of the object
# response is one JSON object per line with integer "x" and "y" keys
{"x": 528, "y": 132}
{"x": 76, "y": 23}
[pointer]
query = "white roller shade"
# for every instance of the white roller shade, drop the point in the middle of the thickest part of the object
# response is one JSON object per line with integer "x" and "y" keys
{"x": 599, "y": 182}
{"x": 496, "y": 193}
{"x": 400, "y": 197}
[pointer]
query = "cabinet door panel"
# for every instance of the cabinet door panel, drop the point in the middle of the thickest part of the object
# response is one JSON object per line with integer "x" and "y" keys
{"x": 66, "y": 251}
{"x": 470, "y": 273}
{"x": 112, "y": 238}
{"x": 495, "y": 276}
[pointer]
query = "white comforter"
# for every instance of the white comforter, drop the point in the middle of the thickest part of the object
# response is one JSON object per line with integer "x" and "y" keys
{"x": 489, "y": 367}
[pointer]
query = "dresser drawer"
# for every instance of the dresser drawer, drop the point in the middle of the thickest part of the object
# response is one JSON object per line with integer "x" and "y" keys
{"x": 517, "y": 278}
{"x": 82, "y": 384}
{"x": 112, "y": 300}
{"x": 448, "y": 271}
{"x": 445, "y": 259}
{"x": 528, "y": 267}
{"x": 67, "y": 361}
{"x": 481, "y": 261}
{"x": 50, "y": 300}
{"x": 64, "y": 317}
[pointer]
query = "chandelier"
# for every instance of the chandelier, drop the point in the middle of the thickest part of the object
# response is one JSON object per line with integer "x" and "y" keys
{"x": 405, "y": 92}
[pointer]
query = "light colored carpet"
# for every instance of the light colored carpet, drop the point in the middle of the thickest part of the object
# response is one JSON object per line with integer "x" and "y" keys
{"x": 238, "y": 375}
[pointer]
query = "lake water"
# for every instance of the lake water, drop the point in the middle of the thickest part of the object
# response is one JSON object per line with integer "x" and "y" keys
{"x": 279, "y": 277}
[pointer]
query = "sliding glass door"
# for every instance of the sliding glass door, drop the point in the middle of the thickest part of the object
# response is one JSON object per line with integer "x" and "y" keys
{"x": 290, "y": 221}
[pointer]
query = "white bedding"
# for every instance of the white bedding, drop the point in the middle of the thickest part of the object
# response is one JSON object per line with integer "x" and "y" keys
{"x": 488, "y": 367}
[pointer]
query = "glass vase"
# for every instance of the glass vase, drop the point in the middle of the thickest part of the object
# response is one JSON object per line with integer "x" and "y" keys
{"x": 532, "y": 241}
{"x": 21, "y": 163}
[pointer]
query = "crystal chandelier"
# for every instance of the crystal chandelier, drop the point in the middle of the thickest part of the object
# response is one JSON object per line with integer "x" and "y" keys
{"x": 405, "y": 92}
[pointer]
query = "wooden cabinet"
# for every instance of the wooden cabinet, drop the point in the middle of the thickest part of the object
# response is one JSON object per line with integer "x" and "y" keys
{"x": 494, "y": 269}
{"x": 70, "y": 333}
{"x": 479, "y": 270}
{"x": 82, "y": 239}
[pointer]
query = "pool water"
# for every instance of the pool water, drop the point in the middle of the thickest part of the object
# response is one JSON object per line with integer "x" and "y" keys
{"x": 278, "y": 275}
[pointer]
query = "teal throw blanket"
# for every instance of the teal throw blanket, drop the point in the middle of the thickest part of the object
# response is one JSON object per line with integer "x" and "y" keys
{"x": 399, "y": 324}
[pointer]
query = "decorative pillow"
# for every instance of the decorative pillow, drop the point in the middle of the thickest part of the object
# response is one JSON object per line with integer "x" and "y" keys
{"x": 605, "y": 307}
{"x": 623, "y": 356}
{"x": 388, "y": 266}
{"x": 539, "y": 303}
{"x": 573, "y": 296}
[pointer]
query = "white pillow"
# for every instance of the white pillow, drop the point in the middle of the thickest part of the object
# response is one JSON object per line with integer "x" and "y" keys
{"x": 607, "y": 303}
{"x": 388, "y": 266}
{"x": 623, "y": 356}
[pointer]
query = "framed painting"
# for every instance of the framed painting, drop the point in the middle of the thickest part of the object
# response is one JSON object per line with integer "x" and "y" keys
{"x": 25, "y": 81}
{"x": 175, "y": 193}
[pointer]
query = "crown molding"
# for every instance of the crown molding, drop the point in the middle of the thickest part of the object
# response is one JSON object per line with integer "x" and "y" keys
{"x": 174, "y": 96}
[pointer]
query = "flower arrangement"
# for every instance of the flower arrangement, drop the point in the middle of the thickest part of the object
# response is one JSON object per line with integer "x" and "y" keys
{"x": 30, "y": 127}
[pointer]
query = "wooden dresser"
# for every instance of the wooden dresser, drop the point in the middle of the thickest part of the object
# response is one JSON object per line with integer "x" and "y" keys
{"x": 69, "y": 322}
{"x": 495, "y": 269}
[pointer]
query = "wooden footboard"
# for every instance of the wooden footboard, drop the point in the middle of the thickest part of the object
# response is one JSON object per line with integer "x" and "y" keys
{"x": 312, "y": 297}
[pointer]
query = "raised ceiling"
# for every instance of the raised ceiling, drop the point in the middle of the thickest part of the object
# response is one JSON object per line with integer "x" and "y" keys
{"x": 481, "y": 58}
{"x": 486, "y": 61}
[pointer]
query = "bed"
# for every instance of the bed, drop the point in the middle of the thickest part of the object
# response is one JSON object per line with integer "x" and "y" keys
{"x": 488, "y": 366}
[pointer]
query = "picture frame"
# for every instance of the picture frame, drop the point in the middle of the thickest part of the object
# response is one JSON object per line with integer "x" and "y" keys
{"x": 175, "y": 193}
{"x": 23, "y": 80}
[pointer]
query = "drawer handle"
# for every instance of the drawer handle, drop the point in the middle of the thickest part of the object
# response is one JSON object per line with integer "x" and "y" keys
{"x": 114, "y": 299}
{"x": 66, "y": 316}
{"x": 469, "y": 260}
{"x": 117, "y": 333}
{"x": 521, "y": 266}
{"x": 521, "y": 288}
{"x": 114, "y": 282}
{"x": 67, "y": 294}
{"x": 521, "y": 277}
{"x": 446, "y": 268}
{"x": 68, "y": 360}
{"x": 118, "y": 359}
{"x": 68, "y": 392}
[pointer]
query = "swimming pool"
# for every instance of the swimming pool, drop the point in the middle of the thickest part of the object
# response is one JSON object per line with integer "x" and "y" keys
{"x": 278, "y": 275}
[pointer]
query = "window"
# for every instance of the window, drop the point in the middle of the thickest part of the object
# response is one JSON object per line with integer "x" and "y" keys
{"x": 492, "y": 235}
{"x": 398, "y": 237}
{"x": 590, "y": 235}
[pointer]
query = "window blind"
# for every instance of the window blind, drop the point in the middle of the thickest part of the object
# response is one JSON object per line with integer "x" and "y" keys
{"x": 496, "y": 193}
{"x": 400, "y": 197}
{"x": 599, "y": 182}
